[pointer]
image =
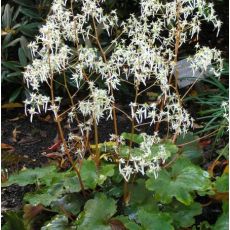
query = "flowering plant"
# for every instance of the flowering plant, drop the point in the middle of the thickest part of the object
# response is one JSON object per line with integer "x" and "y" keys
{"x": 142, "y": 52}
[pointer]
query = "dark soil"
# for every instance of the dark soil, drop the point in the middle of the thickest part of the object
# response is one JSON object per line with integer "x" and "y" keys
{"x": 31, "y": 140}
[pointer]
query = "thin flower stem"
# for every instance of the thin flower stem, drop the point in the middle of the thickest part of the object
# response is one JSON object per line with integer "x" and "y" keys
{"x": 105, "y": 61}
{"x": 115, "y": 39}
{"x": 162, "y": 103}
{"x": 74, "y": 25}
{"x": 126, "y": 187}
{"x": 133, "y": 120}
{"x": 122, "y": 111}
{"x": 67, "y": 89}
{"x": 139, "y": 125}
{"x": 177, "y": 45}
{"x": 187, "y": 143}
{"x": 69, "y": 157}
{"x": 147, "y": 88}
{"x": 191, "y": 87}
{"x": 97, "y": 156}
{"x": 200, "y": 138}
{"x": 61, "y": 133}
{"x": 128, "y": 82}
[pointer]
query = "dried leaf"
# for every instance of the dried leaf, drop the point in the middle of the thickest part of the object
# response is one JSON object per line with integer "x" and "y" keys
{"x": 204, "y": 143}
{"x": 48, "y": 118}
{"x": 12, "y": 105}
{"x": 31, "y": 211}
{"x": 17, "y": 118}
{"x": 56, "y": 146}
{"x": 7, "y": 147}
{"x": 53, "y": 155}
{"x": 14, "y": 135}
{"x": 221, "y": 196}
{"x": 29, "y": 141}
{"x": 197, "y": 126}
{"x": 212, "y": 166}
{"x": 117, "y": 225}
{"x": 226, "y": 169}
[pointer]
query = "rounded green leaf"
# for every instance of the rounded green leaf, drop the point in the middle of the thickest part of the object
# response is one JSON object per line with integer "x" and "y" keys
{"x": 222, "y": 183}
{"x": 154, "y": 220}
{"x": 222, "y": 223}
{"x": 191, "y": 150}
{"x": 129, "y": 224}
{"x": 30, "y": 176}
{"x": 187, "y": 212}
{"x": 89, "y": 174}
{"x": 71, "y": 202}
{"x": 180, "y": 182}
{"x": 59, "y": 222}
{"x": 97, "y": 213}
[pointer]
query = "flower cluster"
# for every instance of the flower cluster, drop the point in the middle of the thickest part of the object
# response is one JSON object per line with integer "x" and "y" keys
{"x": 98, "y": 103}
{"x": 146, "y": 157}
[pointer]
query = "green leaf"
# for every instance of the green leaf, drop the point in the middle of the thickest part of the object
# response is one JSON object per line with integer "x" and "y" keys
{"x": 222, "y": 223}
{"x": 13, "y": 221}
{"x": 15, "y": 77}
{"x": 154, "y": 220}
{"x": 97, "y": 213}
{"x": 13, "y": 65}
{"x": 203, "y": 226}
{"x": 105, "y": 171}
{"x": 12, "y": 43}
{"x": 15, "y": 94}
{"x": 22, "y": 57}
{"x": 26, "y": 3}
{"x": 24, "y": 45}
{"x": 91, "y": 177}
{"x": 30, "y": 13}
{"x": 89, "y": 174}
{"x": 71, "y": 183}
{"x": 124, "y": 151}
{"x": 30, "y": 176}
{"x": 59, "y": 222}
{"x": 117, "y": 177}
{"x": 140, "y": 196}
{"x": 116, "y": 191}
{"x": 224, "y": 151}
{"x": 133, "y": 137}
{"x": 6, "y": 40}
{"x": 222, "y": 183}
{"x": 187, "y": 212}
{"x": 30, "y": 29}
{"x": 181, "y": 182}
{"x": 129, "y": 224}
{"x": 70, "y": 202}
{"x": 43, "y": 198}
{"x": 56, "y": 185}
{"x": 170, "y": 147}
{"x": 7, "y": 16}
{"x": 193, "y": 150}
{"x": 14, "y": 74}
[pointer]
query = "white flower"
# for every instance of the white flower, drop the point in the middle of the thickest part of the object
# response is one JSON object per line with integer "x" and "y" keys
{"x": 32, "y": 112}
{"x": 54, "y": 108}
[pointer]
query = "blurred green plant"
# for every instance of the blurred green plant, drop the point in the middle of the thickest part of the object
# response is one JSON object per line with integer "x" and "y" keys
{"x": 21, "y": 20}
{"x": 213, "y": 102}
